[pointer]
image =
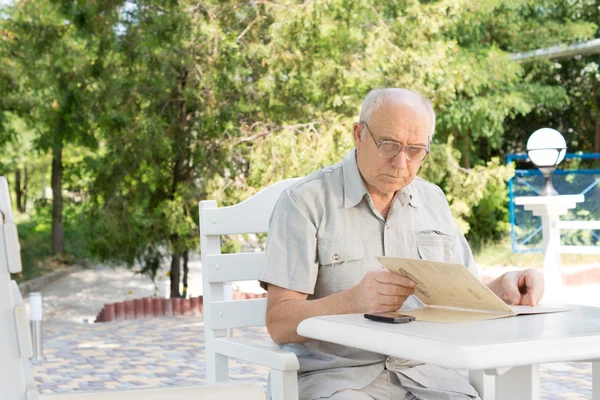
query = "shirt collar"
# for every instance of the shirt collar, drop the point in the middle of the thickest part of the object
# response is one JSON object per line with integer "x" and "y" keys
{"x": 355, "y": 189}
{"x": 409, "y": 195}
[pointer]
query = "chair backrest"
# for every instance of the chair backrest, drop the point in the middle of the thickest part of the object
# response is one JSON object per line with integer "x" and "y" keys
{"x": 249, "y": 216}
{"x": 16, "y": 379}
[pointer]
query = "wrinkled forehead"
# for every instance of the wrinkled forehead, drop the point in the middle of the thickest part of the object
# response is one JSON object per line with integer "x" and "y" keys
{"x": 410, "y": 117}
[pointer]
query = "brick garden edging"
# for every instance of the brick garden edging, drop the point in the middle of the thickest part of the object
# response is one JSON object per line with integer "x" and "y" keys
{"x": 149, "y": 307}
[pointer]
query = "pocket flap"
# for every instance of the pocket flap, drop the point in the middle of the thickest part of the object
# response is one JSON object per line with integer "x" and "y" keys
{"x": 434, "y": 237}
{"x": 334, "y": 252}
{"x": 435, "y": 245}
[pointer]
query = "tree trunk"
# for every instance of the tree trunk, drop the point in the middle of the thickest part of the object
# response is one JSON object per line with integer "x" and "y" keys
{"x": 58, "y": 234}
{"x": 18, "y": 192}
{"x": 25, "y": 188}
{"x": 466, "y": 158}
{"x": 43, "y": 183}
{"x": 596, "y": 117}
{"x": 185, "y": 273}
{"x": 597, "y": 136}
{"x": 175, "y": 275}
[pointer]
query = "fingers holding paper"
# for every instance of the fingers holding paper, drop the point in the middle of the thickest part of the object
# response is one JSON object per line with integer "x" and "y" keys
{"x": 520, "y": 287}
{"x": 381, "y": 291}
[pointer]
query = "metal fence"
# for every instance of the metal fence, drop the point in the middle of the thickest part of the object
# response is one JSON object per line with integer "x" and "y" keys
{"x": 526, "y": 229}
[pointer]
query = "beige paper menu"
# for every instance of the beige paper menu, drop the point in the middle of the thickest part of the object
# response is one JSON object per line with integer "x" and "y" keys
{"x": 452, "y": 294}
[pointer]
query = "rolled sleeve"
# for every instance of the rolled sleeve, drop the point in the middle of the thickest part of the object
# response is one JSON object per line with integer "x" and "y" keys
{"x": 290, "y": 256}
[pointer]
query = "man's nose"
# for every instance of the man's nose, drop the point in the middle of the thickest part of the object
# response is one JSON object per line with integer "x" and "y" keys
{"x": 399, "y": 162}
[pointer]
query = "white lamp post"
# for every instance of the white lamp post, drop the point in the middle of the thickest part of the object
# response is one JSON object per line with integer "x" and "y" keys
{"x": 546, "y": 148}
{"x": 36, "y": 317}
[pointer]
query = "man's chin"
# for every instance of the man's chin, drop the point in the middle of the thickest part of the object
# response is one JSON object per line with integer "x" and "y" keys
{"x": 398, "y": 184}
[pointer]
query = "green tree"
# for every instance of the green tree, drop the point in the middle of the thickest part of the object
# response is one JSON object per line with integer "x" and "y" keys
{"x": 56, "y": 52}
{"x": 181, "y": 87}
{"x": 147, "y": 107}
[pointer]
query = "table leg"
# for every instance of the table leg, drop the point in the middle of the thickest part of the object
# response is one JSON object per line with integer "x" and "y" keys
{"x": 596, "y": 380}
{"x": 483, "y": 383}
{"x": 519, "y": 383}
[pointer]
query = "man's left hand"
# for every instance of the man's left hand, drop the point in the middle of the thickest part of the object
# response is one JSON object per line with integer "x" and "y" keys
{"x": 519, "y": 287}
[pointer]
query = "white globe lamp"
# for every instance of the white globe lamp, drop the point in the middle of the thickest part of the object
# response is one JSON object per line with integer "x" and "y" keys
{"x": 546, "y": 148}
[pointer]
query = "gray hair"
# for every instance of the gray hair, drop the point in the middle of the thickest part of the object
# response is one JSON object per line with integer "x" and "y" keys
{"x": 375, "y": 98}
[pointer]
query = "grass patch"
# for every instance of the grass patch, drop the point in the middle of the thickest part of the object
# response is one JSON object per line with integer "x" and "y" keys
{"x": 500, "y": 254}
{"x": 35, "y": 236}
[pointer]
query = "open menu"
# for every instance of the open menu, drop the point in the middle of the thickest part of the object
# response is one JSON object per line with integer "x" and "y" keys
{"x": 450, "y": 293}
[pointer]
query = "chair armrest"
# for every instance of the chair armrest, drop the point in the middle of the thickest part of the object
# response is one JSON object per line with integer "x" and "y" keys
{"x": 229, "y": 391}
{"x": 268, "y": 356}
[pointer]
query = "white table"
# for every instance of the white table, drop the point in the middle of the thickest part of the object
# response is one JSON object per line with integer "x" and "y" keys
{"x": 510, "y": 348}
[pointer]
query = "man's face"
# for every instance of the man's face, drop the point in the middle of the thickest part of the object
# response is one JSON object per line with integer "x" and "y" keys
{"x": 402, "y": 123}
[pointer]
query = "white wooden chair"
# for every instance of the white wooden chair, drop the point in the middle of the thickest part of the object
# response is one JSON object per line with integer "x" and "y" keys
{"x": 16, "y": 377}
{"x": 220, "y": 313}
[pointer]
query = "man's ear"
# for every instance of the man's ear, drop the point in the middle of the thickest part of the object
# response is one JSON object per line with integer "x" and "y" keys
{"x": 357, "y": 133}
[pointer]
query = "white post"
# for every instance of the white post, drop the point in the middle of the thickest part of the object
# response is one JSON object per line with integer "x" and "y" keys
{"x": 519, "y": 383}
{"x": 550, "y": 208}
{"x": 217, "y": 365}
{"x": 36, "y": 317}
{"x": 283, "y": 385}
{"x": 484, "y": 384}
{"x": 596, "y": 380}
{"x": 552, "y": 259}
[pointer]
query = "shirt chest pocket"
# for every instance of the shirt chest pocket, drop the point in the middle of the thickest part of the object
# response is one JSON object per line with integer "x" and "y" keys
{"x": 341, "y": 264}
{"x": 435, "y": 245}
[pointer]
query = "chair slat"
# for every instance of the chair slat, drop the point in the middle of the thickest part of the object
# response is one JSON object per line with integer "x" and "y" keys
{"x": 249, "y": 216}
{"x": 579, "y": 249}
{"x": 232, "y": 267}
{"x": 239, "y": 313}
{"x": 268, "y": 356}
{"x": 583, "y": 225}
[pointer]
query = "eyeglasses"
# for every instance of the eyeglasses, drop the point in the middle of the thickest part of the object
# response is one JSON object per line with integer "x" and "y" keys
{"x": 388, "y": 149}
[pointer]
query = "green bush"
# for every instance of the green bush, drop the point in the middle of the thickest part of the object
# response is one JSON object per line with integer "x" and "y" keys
{"x": 35, "y": 235}
{"x": 489, "y": 221}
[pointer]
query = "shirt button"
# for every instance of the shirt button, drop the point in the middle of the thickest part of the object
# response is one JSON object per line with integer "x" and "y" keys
{"x": 387, "y": 227}
{"x": 388, "y": 361}
{"x": 335, "y": 257}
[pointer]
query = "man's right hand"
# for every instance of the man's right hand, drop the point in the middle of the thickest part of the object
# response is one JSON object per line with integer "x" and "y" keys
{"x": 380, "y": 291}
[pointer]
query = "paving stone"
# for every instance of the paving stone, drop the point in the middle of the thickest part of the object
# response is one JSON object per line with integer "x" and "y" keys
{"x": 170, "y": 351}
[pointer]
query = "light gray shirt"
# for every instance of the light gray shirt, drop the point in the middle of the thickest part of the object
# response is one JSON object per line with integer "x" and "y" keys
{"x": 324, "y": 236}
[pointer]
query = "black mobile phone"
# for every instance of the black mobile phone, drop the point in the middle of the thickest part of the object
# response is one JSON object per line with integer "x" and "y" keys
{"x": 390, "y": 317}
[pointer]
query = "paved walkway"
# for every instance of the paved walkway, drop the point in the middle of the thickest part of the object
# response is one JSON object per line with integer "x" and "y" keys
{"x": 170, "y": 351}
{"x": 127, "y": 354}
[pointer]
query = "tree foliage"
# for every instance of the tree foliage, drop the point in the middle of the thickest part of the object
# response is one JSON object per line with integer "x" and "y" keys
{"x": 155, "y": 105}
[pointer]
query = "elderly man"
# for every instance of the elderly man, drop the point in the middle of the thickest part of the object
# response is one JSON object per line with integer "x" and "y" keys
{"x": 325, "y": 233}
